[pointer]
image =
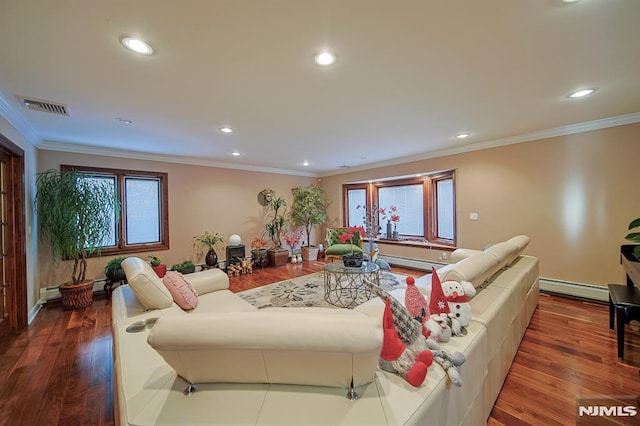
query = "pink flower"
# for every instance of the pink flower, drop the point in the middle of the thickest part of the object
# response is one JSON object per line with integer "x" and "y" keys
{"x": 395, "y": 218}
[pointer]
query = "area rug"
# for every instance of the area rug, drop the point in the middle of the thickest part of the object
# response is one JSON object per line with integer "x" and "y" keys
{"x": 307, "y": 291}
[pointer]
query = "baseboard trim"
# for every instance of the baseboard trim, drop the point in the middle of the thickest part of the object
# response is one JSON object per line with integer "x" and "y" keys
{"x": 574, "y": 289}
{"x": 48, "y": 294}
{"x": 34, "y": 311}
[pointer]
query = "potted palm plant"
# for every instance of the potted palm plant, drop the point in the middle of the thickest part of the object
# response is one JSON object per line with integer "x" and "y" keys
{"x": 76, "y": 213}
{"x": 309, "y": 208}
{"x": 277, "y": 208}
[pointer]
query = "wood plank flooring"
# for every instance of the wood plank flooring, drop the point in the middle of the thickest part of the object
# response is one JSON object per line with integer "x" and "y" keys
{"x": 59, "y": 371}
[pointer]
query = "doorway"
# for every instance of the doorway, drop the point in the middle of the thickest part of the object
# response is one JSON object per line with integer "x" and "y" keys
{"x": 13, "y": 281}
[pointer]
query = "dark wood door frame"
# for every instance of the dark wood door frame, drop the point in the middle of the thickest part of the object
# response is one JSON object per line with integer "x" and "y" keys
{"x": 16, "y": 249}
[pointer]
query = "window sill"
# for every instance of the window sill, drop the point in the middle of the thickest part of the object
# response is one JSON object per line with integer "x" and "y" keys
{"x": 407, "y": 242}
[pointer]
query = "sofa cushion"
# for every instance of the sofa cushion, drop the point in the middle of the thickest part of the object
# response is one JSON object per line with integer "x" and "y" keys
{"x": 340, "y": 249}
{"x": 475, "y": 269}
{"x": 146, "y": 284}
{"x": 181, "y": 291}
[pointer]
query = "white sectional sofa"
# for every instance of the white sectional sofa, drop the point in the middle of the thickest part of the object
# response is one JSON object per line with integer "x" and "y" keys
{"x": 149, "y": 391}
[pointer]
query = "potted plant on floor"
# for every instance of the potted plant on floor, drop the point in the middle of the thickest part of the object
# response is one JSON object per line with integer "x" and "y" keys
{"x": 76, "y": 214}
{"x": 185, "y": 267}
{"x": 208, "y": 240}
{"x": 309, "y": 208}
{"x": 259, "y": 251}
{"x": 277, "y": 208}
{"x": 114, "y": 271}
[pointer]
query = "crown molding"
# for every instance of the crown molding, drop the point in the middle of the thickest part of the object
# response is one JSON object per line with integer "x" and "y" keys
{"x": 136, "y": 155}
{"x": 18, "y": 122}
{"x": 587, "y": 126}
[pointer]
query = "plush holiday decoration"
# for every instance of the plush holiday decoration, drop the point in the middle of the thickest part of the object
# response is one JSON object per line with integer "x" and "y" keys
{"x": 449, "y": 362}
{"x": 408, "y": 329}
{"x": 457, "y": 295}
{"x": 415, "y": 302}
{"x": 440, "y": 326}
{"x": 409, "y": 361}
{"x": 410, "y": 333}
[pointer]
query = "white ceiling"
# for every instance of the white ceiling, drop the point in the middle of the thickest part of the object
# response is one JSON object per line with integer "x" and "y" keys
{"x": 409, "y": 76}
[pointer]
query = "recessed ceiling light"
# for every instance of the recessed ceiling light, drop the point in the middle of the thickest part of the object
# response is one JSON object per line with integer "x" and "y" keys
{"x": 581, "y": 93}
{"x": 137, "y": 45}
{"x": 325, "y": 58}
{"x": 569, "y": 1}
{"x": 235, "y": 153}
{"x": 305, "y": 163}
{"x": 124, "y": 120}
{"x": 226, "y": 129}
{"x": 462, "y": 135}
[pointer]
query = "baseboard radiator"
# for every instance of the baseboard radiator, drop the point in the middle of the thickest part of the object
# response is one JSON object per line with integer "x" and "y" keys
{"x": 48, "y": 294}
{"x": 572, "y": 289}
{"x": 548, "y": 285}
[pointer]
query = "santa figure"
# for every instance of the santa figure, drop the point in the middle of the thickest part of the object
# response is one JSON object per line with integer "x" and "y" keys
{"x": 440, "y": 325}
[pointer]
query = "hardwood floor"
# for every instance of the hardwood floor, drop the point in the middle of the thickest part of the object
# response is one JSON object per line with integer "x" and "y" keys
{"x": 59, "y": 371}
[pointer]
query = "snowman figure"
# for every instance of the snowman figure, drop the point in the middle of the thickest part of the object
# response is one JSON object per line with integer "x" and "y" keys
{"x": 457, "y": 295}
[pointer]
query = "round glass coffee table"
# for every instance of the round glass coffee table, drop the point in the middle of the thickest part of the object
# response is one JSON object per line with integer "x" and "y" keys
{"x": 343, "y": 286}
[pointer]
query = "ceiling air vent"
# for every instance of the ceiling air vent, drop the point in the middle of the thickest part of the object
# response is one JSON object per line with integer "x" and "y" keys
{"x": 44, "y": 106}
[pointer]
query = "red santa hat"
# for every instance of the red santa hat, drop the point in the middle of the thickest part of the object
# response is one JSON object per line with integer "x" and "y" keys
{"x": 438, "y": 302}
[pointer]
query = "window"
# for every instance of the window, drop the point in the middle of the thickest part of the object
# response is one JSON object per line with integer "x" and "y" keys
{"x": 426, "y": 206}
{"x": 143, "y": 221}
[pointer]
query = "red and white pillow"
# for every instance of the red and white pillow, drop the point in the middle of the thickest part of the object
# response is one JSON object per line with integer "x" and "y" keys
{"x": 182, "y": 292}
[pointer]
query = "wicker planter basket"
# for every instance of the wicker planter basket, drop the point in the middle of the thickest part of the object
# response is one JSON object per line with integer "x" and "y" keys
{"x": 76, "y": 296}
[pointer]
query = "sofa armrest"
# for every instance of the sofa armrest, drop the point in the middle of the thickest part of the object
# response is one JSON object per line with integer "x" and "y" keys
{"x": 316, "y": 346}
{"x": 207, "y": 281}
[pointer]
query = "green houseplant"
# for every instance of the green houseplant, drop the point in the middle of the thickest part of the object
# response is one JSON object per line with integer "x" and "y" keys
{"x": 634, "y": 236}
{"x": 114, "y": 270}
{"x": 185, "y": 267}
{"x": 276, "y": 211}
{"x": 309, "y": 208}
{"x": 76, "y": 214}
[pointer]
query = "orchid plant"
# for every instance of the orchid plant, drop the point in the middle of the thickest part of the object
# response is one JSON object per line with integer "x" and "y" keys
{"x": 293, "y": 237}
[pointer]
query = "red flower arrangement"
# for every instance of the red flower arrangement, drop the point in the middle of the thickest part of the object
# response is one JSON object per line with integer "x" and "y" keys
{"x": 350, "y": 234}
{"x": 390, "y": 214}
